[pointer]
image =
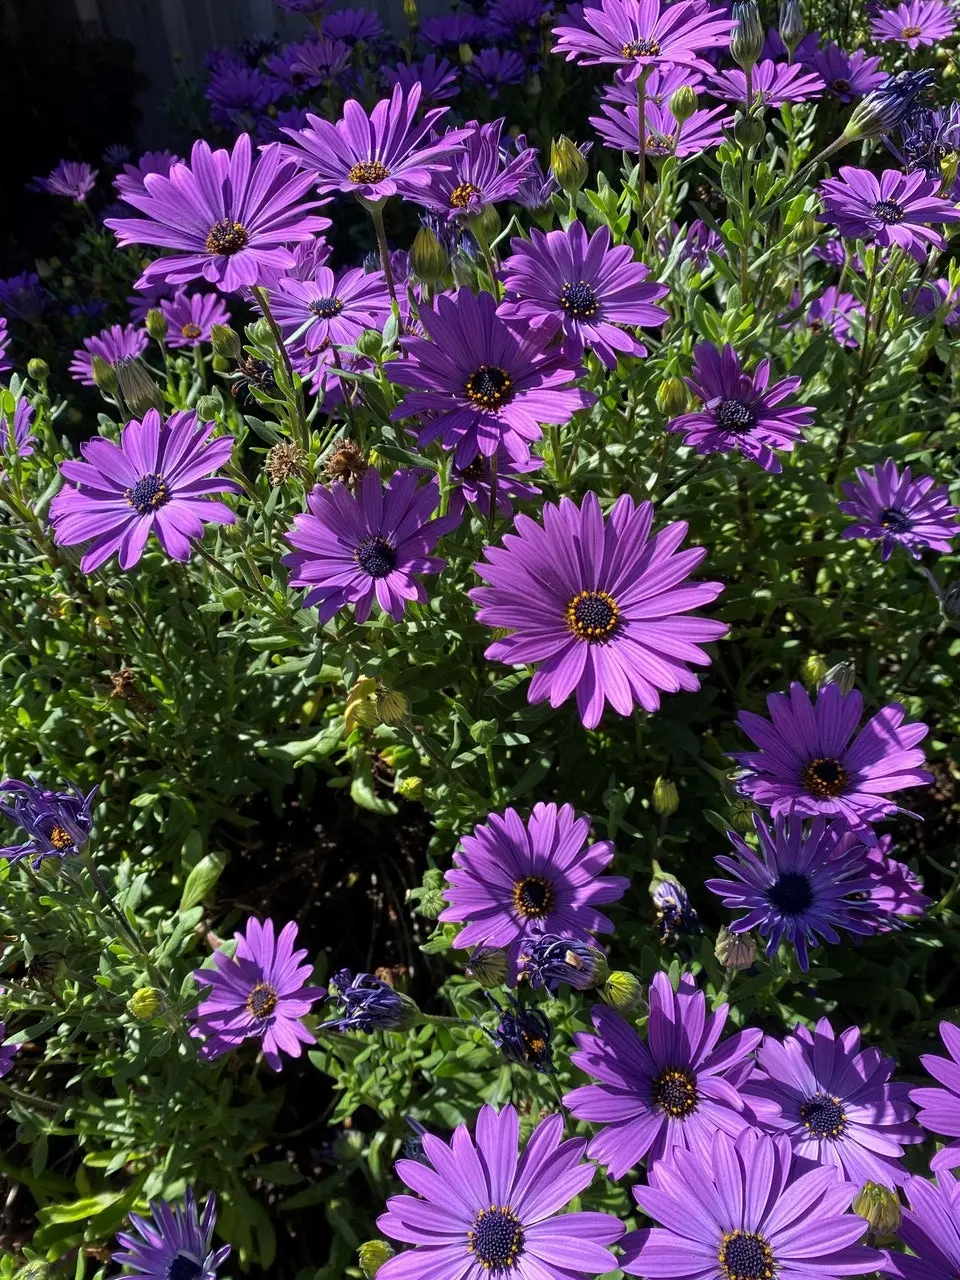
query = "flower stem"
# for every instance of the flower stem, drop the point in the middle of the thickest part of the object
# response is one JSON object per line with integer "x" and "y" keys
{"x": 299, "y": 416}
{"x": 376, "y": 213}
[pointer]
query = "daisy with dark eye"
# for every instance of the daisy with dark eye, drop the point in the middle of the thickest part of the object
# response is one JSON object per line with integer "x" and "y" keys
{"x": 892, "y": 209}
{"x": 894, "y": 509}
{"x": 915, "y": 22}
{"x": 513, "y": 880}
{"x": 665, "y": 135}
{"x": 638, "y": 36}
{"x": 741, "y": 411}
{"x": 191, "y": 316}
{"x": 479, "y": 174}
{"x": 774, "y": 83}
{"x": 174, "y": 1243}
{"x": 114, "y": 345}
{"x": 847, "y": 75}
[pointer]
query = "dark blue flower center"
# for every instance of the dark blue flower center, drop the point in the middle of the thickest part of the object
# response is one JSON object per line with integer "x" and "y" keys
{"x": 823, "y": 1116}
{"x": 895, "y": 520}
{"x": 744, "y": 1255}
{"x": 261, "y": 1001}
{"x": 184, "y": 1268}
{"x": 227, "y": 237}
{"x": 641, "y": 49}
{"x": 888, "y": 211}
{"x": 376, "y": 557}
{"x": 148, "y": 493}
{"x": 593, "y": 616}
{"x": 824, "y": 777}
{"x": 734, "y": 415}
{"x": 675, "y": 1092}
{"x": 496, "y": 1238}
{"x": 326, "y": 308}
{"x": 488, "y": 386}
{"x": 840, "y": 85}
{"x": 533, "y": 897}
{"x": 791, "y": 893}
{"x": 579, "y": 300}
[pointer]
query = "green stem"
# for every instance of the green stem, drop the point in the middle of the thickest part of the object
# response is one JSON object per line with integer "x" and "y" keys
{"x": 437, "y": 1020}
{"x": 642, "y": 141}
{"x": 299, "y": 416}
{"x": 376, "y": 213}
{"x": 488, "y": 260}
{"x": 27, "y": 1099}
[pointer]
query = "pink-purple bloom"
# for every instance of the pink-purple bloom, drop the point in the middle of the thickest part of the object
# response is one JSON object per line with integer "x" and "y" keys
{"x": 664, "y": 136}
{"x": 478, "y": 1210}
{"x": 741, "y": 411}
{"x": 515, "y": 19}
{"x": 513, "y": 879}
{"x": 131, "y": 180}
{"x": 451, "y": 30}
{"x": 494, "y": 68}
{"x": 479, "y": 174}
{"x": 190, "y": 317}
{"x": 638, "y": 34}
{"x": 601, "y": 608}
{"x": 229, "y": 216}
{"x": 173, "y": 1244}
{"x": 352, "y": 24}
{"x": 438, "y": 80}
{"x": 915, "y": 23}
{"x": 352, "y": 548}
{"x": 894, "y": 509}
{"x": 939, "y": 1107}
{"x": 894, "y": 209}
{"x": 594, "y": 293}
{"x": 847, "y": 75}
{"x": 258, "y": 993}
{"x": 896, "y": 894}
{"x": 831, "y": 313}
{"x": 158, "y": 479}
{"x": 473, "y": 483}
{"x": 811, "y": 760}
{"x": 116, "y": 344}
{"x": 930, "y": 1229}
{"x": 659, "y": 87}
{"x": 317, "y": 61}
{"x": 773, "y": 83}
{"x": 8, "y": 1052}
{"x": 675, "y": 1089}
{"x": 71, "y": 178}
{"x": 15, "y": 432}
{"x": 237, "y": 93}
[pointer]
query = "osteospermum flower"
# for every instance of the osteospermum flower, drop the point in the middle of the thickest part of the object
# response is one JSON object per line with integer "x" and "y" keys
{"x": 583, "y": 287}
{"x": 8, "y": 1052}
{"x": 373, "y": 543}
{"x": 438, "y": 80}
{"x": 676, "y": 1089}
{"x": 892, "y": 210}
{"x": 174, "y": 1244}
{"x": 638, "y": 34}
{"x": 70, "y": 178}
{"x": 190, "y": 317}
{"x": 847, "y": 75}
{"x": 896, "y": 892}
{"x": 237, "y": 93}
{"x": 600, "y": 606}
{"x": 158, "y": 478}
{"x": 831, "y": 312}
{"x": 480, "y": 1211}
{"x": 835, "y": 1103}
{"x": 896, "y": 510}
{"x": 367, "y": 1003}
{"x": 326, "y": 312}
{"x": 451, "y": 31}
{"x": 494, "y": 68}
{"x": 228, "y": 215}
{"x": 737, "y": 1213}
{"x": 473, "y": 484}
{"x": 513, "y": 879}
{"x": 57, "y": 824}
{"x": 774, "y": 83}
{"x": 939, "y": 1108}
{"x": 480, "y": 382}
{"x": 930, "y": 1228}
{"x": 800, "y": 885}
{"x": 317, "y": 61}
{"x": 387, "y": 153}
{"x": 515, "y": 19}
{"x": 352, "y": 24}
{"x": 741, "y": 411}
{"x": 809, "y": 762}
{"x": 915, "y": 23}
{"x": 22, "y": 297}
{"x": 259, "y": 993}
{"x": 131, "y": 180}
{"x": 664, "y": 136}
{"x": 479, "y": 175}
{"x": 114, "y": 345}
{"x": 15, "y": 437}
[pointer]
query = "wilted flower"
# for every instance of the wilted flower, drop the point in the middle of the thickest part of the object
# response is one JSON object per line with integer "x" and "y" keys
{"x": 369, "y": 1004}
{"x": 550, "y": 961}
{"x": 523, "y": 1036}
{"x": 57, "y": 823}
{"x": 675, "y": 914}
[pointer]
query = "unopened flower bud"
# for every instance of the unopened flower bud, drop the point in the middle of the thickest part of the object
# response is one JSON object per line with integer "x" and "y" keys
{"x": 410, "y": 12}
{"x": 749, "y": 131}
{"x": 156, "y": 324}
{"x": 466, "y": 54}
{"x": 393, "y": 707}
{"x": 551, "y": 961}
{"x": 672, "y": 397}
{"x": 261, "y": 333}
{"x": 373, "y": 1254}
{"x": 883, "y": 109}
{"x": 208, "y": 407}
{"x": 361, "y": 710}
{"x": 484, "y": 732}
{"x": 792, "y": 26}
{"x": 948, "y": 171}
{"x": 428, "y": 258}
{"x": 137, "y": 387}
{"x": 735, "y": 950}
{"x": 747, "y": 39}
{"x": 487, "y": 222}
{"x": 411, "y": 787}
{"x": 683, "y": 103}
{"x": 843, "y": 675}
{"x": 144, "y": 1004}
{"x": 568, "y": 164}
{"x": 226, "y": 341}
{"x": 489, "y": 966}
{"x": 104, "y": 374}
{"x": 624, "y": 992}
{"x": 666, "y": 798}
{"x": 880, "y": 1206}
{"x": 741, "y": 814}
{"x": 37, "y": 370}
{"x": 814, "y": 669}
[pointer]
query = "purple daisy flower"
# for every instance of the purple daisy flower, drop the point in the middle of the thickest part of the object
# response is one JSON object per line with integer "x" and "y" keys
{"x": 174, "y": 1244}
{"x": 352, "y": 547}
{"x": 773, "y": 47}
{"x": 157, "y": 478}
{"x": 699, "y": 242}
{"x": 308, "y": 257}
{"x": 479, "y": 1211}
{"x": 893, "y": 210}
{"x": 551, "y": 961}
{"x": 481, "y": 382}
{"x": 896, "y": 892}
{"x": 847, "y": 75}
{"x": 637, "y": 34}
{"x": 664, "y": 137}
{"x": 369, "y": 1004}
{"x": 479, "y": 174}
{"x": 260, "y": 992}
{"x": 831, "y": 312}
{"x": 740, "y": 410}
{"x": 352, "y": 24}
{"x": 676, "y": 1089}
{"x": 598, "y": 605}
{"x": 22, "y": 297}
{"x": 515, "y": 19}
{"x": 318, "y": 61}
{"x": 930, "y": 1228}
{"x": 387, "y": 153}
{"x": 774, "y": 83}
{"x": 584, "y": 287}
{"x": 660, "y": 86}
{"x": 326, "y": 312}
{"x": 675, "y": 912}
{"x": 57, "y": 823}
{"x": 810, "y": 763}
{"x": 438, "y": 80}
{"x": 451, "y": 31}
{"x": 230, "y": 217}
{"x": 70, "y": 178}
{"x": 939, "y": 1109}
{"x": 896, "y": 510}
{"x": 236, "y": 93}
{"x": 737, "y": 1213}
{"x": 114, "y": 345}
{"x": 927, "y": 137}
{"x": 492, "y": 69}
{"x": 307, "y": 7}
{"x": 513, "y": 879}
{"x": 800, "y": 885}
{"x": 835, "y": 1103}
{"x": 190, "y": 317}
{"x": 8, "y": 1052}
{"x": 915, "y": 23}
{"x": 473, "y": 484}
{"x": 15, "y": 437}
{"x": 523, "y": 1036}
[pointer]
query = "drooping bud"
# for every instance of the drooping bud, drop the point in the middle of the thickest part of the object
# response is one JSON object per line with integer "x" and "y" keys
{"x": 747, "y": 39}
{"x": 489, "y": 966}
{"x": 672, "y": 397}
{"x": 568, "y": 164}
{"x": 524, "y": 1036}
{"x": 429, "y": 260}
{"x": 675, "y": 912}
{"x": 226, "y": 341}
{"x": 37, "y": 370}
{"x": 372, "y": 1255}
{"x": 550, "y": 961}
{"x": 880, "y": 1206}
{"x": 139, "y": 391}
{"x": 814, "y": 669}
{"x": 666, "y": 798}
{"x": 104, "y": 374}
{"x": 792, "y": 26}
{"x": 843, "y": 675}
{"x": 624, "y": 992}
{"x": 145, "y": 1004}
{"x": 156, "y": 324}
{"x": 683, "y": 103}
{"x": 735, "y": 950}
{"x": 883, "y": 109}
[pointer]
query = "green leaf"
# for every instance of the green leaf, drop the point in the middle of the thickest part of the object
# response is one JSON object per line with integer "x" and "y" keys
{"x": 202, "y": 879}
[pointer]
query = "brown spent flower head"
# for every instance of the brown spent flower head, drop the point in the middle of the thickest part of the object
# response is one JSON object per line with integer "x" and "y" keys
{"x": 284, "y": 461}
{"x": 345, "y": 464}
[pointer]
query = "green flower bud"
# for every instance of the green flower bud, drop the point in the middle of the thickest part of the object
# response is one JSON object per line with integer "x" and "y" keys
{"x": 747, "y": 39}
{"x": 208, "y": 407}
{"x": 104, "y": 374}
{"x": 741, "y": 815}
{"x": 37, "y": 370}
{"x": 880, "y": 1206}
{"x": 749, "y": 131}
{"x": 156, "y": 324}
{"x": 614, "y": 801}
{"x": 487, "y": 222}
{"x": 145, "y": 1004}
{"x": 410, "y": 12}
{"x": 489, "y": 966}
{"x": 843, "y": 675}
{"x": 226, "y": 342}
{"x": 792, "y": 26}
{"x": 370, "y": 343}
{"x": 735, "y": 950}
{"x": 432, "y": 902}
{"x": 373, "y": 1254}
{"x": 683, "y": 103}
{"x": 624, "y": 992}
{"x": 814, "y": 669}
{"x": 35, "y": 1269}
{"x": 261, "y": 333}
{"x": 137, "y": 387}
{"x": 411, "y": 787}
{"x": 484, "y": 732}
{"x": 568, "y": 164}
{"x": 672, "y": 397}
{"x": 666, "y": 798}
{"x": 466, "y": 54}
{"x": 428, "y": 258}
